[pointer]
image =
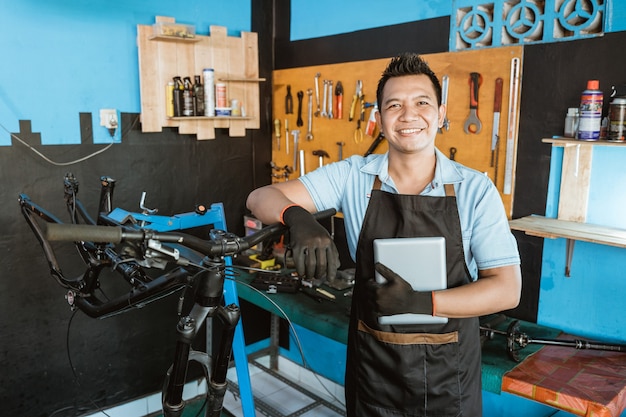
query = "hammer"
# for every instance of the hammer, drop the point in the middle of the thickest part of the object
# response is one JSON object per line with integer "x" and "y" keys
{"x": 321, "y": 153}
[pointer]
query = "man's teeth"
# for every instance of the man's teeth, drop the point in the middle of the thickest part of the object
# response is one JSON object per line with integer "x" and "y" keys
{"x": 409, "y": 131}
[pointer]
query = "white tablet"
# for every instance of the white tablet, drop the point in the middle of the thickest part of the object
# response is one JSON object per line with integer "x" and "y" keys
{"x": 421, "y": 261}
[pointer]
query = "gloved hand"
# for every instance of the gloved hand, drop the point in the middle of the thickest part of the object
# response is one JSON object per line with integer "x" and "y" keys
{"x": 396, "y": 296}
{"x": 314, "y": 252}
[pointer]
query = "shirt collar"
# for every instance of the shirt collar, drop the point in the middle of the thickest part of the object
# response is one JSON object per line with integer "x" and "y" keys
{"x": 446, "y": 171}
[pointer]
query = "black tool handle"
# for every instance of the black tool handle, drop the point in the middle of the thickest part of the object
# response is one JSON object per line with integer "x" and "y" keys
{"x": 300, "y": 122}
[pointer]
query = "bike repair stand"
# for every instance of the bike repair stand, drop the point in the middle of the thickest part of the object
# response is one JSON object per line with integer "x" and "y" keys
{"x": 215, "y": 217}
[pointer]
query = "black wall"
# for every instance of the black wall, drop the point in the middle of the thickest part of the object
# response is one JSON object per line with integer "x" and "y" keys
{"x": 123, "y": 357}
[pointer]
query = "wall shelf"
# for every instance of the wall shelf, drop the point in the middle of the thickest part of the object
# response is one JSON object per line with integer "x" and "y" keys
{"x": 174, "y": 39}
{"x": 572, "y": 231}
{"x": 235, "y": 61}
{"x": 562, "y": 141}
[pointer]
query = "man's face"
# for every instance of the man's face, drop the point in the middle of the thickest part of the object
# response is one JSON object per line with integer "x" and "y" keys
{"x": 409, "y": 115}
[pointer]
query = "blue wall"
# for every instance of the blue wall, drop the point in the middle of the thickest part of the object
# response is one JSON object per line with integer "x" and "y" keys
{"x": 330, "y": 17}
{"x": 65, "y": 57}
{"x": 590, "y": 302}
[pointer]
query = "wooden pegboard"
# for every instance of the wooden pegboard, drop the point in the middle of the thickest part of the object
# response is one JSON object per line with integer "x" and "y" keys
{"x": 473, "y": 150}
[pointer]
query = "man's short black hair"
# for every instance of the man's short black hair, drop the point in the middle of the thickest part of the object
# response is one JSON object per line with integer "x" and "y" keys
{"x": 407, "y": 63}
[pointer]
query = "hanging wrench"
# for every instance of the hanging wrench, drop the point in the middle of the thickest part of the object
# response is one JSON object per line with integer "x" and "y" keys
{"x": 296, "y": 139}
{"x": 317, "y": 93}
{"x": 309, "y": 133}
{"x": 324, "y": 113}
{"x": 330, "y": 99}
{"x": 472, "y": 123}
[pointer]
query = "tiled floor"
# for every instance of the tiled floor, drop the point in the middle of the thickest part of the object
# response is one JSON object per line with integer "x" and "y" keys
{"x": 292, "y": 390}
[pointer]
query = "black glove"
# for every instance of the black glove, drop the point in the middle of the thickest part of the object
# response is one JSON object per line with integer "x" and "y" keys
{"x": 314, "y": 252}
{"x": 396, "y": 296}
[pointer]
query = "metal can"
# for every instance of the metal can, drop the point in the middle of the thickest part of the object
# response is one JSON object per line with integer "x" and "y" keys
{"x": 617, "y": 119}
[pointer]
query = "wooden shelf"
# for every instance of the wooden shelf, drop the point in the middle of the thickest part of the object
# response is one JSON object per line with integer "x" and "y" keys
{"x": 167, "y": 38}
{"x": 210, "y": 118}
{"x": 562, "y": 141}
{"x": 234, "y": 59}
{"x": 554, "y": 228}
{"x": 242, "y": 80}
{"x": 572, "y": 231}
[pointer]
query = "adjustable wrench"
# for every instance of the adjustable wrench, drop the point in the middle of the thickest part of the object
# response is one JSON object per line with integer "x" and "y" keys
{"x": 472, "y": 123}
{"x": 309, "y": 133}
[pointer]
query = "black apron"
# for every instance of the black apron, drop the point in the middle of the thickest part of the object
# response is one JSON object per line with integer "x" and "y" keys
{"x": 429, "y": 370}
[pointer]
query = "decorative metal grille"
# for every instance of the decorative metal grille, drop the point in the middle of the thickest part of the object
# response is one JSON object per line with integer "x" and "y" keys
{"x": 476, "y": 24}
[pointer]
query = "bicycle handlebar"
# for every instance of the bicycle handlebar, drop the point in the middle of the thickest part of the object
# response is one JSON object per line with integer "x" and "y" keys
{"x": 226, "y": 246}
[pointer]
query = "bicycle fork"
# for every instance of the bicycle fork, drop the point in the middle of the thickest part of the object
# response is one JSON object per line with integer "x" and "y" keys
{"x": 208, "y": 301}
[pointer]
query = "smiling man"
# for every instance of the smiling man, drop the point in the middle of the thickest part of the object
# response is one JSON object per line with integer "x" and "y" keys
{"x": 412, "y": 190}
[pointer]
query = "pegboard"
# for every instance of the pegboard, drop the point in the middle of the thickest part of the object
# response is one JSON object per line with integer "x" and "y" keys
{"x": 472, "y": 150}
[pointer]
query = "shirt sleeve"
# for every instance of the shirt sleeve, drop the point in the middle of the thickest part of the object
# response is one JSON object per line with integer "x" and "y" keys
{"x": 492, "y": 243}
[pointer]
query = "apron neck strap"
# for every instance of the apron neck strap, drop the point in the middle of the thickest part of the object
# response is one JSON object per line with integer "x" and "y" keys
{"x": 449, "y": 188}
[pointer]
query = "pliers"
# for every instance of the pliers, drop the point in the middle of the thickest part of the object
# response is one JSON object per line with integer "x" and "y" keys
{"x": 358, "y": 96}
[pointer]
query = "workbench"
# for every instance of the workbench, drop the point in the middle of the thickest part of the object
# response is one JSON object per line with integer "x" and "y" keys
{"x": 582, "y": 382}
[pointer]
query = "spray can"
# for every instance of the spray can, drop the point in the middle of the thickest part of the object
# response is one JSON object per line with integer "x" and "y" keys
{"x": 198, "y": 97}
{"x": 188, "y": 98}
{"x": 169, "y": 99}
{"x": 178, "y": 96}
{"x": 590, "y": 113}
{"x": 209, "y": 92}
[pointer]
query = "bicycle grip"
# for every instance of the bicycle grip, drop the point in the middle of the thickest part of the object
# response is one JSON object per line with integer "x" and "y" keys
{"x": 83, "y": 232}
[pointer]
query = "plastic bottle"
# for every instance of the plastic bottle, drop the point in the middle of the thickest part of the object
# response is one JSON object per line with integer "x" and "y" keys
{"x": 571, "y": 123}
{"x": 209, "y": 92}
{"x": 590, "y": 114}
{"x": 188, "y": 98}
{"x": 198, "y": 97}
{"x": 178, "y": 96}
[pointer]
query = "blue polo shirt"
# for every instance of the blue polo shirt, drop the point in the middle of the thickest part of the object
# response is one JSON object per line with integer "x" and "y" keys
{"x": 487, "y": 238}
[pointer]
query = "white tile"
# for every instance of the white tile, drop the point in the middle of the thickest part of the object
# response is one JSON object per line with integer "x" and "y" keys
{"x": 288, "y": 400}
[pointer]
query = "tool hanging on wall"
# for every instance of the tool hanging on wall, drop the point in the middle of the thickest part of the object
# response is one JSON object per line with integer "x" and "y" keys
{"x": 330, "y": 99}
{"x": 338, "y": 111}
{"x": 511, "y": 125}
{"x": 288, "y": 101}
{"x": 495, "y": 136}
{"x": 516, "y": 340}
{"x": 300, "y": 122}
{"x": 317, "y": 94}
{"x": 473, "y": 123}
{"x": 371, "y": 122}
{"x": 321, "y": 154}
{"x": 309, "y": 133}
{"x": 324, "y": 113}
{"x": 277, "y": 133}
{"x": 445, "y": 81}
{"x": 358, "y": 96}
{"x": 296, "y": 139}
{"x": 287, "y": 136}
{"x": 375, "y": 143}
